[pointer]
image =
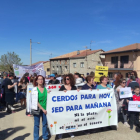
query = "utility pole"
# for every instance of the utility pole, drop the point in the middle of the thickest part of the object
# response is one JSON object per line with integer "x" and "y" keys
{"x": 30, "y": 52}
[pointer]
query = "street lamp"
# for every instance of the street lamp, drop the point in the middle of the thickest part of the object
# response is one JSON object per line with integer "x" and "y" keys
{"x": 31, "y": 50}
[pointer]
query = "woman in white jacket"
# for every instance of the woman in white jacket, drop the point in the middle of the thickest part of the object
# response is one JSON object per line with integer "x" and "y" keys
{"x": 39, "y": 102}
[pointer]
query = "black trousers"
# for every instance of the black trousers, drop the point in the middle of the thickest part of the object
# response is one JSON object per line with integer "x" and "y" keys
{"x": 134, "y": 118}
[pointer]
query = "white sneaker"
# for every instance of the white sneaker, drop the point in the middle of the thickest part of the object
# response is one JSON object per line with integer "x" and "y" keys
{"x": 12, "y": 108}
{"x": 72, "y": 136}
{"x": 5, "y": 108}
{"x": 126, "y": 124}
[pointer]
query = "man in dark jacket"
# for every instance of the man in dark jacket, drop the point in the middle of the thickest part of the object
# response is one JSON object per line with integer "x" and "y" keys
{"x": 133, "y": 83}
{"x": 9, "y": 93}
{"x": 53, "y": 80}
{"x": 3, "y": 89}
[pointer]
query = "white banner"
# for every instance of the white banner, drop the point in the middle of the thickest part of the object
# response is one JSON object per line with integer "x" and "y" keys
{"x": 75, "y": 111}
{"x": 21, "y": 70}
{"x": 134, "y": 106}
{"x": 125, "y": 92}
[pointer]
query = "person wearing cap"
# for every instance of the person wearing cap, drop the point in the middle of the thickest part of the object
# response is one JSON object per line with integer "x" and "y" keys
{"x": 53, "y": 80}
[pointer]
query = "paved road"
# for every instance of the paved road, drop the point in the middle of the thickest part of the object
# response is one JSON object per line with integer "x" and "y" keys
{"x": 17, "y": 126}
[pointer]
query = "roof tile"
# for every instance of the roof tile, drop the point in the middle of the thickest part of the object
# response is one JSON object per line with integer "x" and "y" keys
{"x": 125, "y": 48}
{"x": 74, "y": 54}
{"x": 39, "y": 62}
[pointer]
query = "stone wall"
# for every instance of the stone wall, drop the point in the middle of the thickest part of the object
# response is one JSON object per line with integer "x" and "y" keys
{"x": 47, "y": 67}
{"x": 60, "y": 66}
{"x": 89, "y": 64}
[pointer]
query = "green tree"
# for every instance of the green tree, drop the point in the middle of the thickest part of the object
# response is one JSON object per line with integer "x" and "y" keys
{"x": 7, "y": 61}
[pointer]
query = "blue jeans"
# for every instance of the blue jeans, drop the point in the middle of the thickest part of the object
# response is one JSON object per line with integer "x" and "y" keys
{"x": 44, "y": 126}
{"x": 17, "y": 97}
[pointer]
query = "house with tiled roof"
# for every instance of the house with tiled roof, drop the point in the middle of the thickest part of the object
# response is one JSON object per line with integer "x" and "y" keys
{"x": 46, "y": 65}
{"x": 123, "y": 60}
{"x": 81, "y": 61}
{"x": 86, "y": 61}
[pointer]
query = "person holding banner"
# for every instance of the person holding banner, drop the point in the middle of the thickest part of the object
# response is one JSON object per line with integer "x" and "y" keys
{"x": 69, "y": 84}
{"x": 89, "y": 85}
{"x": 121, "y": 103}
{"x": 38, "y": 106}
{"x": 134, "y": 116}
{"x": 103, "y": 85}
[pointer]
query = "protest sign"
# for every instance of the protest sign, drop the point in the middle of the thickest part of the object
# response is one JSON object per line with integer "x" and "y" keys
{"x": 134, "y": 106}
{"x": 100, "y": 71}
{"x": 29, "y": 90}
{"x": 54, "y": 87}
{"x": 21, "y": 70}
{"x": 125, "y": 92}
{"x": 75, "y": 111}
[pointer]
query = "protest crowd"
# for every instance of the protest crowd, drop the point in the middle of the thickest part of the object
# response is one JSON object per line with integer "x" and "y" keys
{"x": 14, "y": 90}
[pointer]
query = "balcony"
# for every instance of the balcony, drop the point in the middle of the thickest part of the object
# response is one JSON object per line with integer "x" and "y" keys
{"x": 122, "y": 65}
{"x": 116, "y": 65}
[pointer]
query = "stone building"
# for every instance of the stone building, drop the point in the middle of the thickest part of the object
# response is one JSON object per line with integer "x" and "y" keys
{"x": 86, "y": 61}
{"x": 61, "y": 64}
{"x": 82, "y": 61}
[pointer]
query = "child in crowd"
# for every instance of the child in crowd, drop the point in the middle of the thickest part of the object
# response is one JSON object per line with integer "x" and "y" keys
{"x": 134, "y": 116}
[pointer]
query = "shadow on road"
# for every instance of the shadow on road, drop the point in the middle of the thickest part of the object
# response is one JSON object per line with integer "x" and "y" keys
{"x": 22, "y": 137}
{"x": 4, "y": 134}
{"x": 137, "y": 130}
{"x": 3, "y": 114}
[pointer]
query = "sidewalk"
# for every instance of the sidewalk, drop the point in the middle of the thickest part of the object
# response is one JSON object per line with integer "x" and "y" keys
{"x": 18, "y": 126}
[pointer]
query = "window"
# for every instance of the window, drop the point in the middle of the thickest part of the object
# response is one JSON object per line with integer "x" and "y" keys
{"x": 66, "y": 68}
{"x": 48, "y": 69}
{"x": 125, "y": 59}
{"x": 114, "y": 60}
{"x": 74, "y": 65}
{"x": 53, "y": 67}
{"x": 57, "y": 69}
{"x": 110, "y": 74}
{"x": 82, "y": 64}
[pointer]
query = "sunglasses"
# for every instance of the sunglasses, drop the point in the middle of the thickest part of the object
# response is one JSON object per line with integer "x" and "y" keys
{"x": 124, "y": 82}
{"x": 67, "y": 79}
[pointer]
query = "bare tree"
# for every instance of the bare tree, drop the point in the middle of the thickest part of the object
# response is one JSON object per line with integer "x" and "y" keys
{"x": 7, "y": 61}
